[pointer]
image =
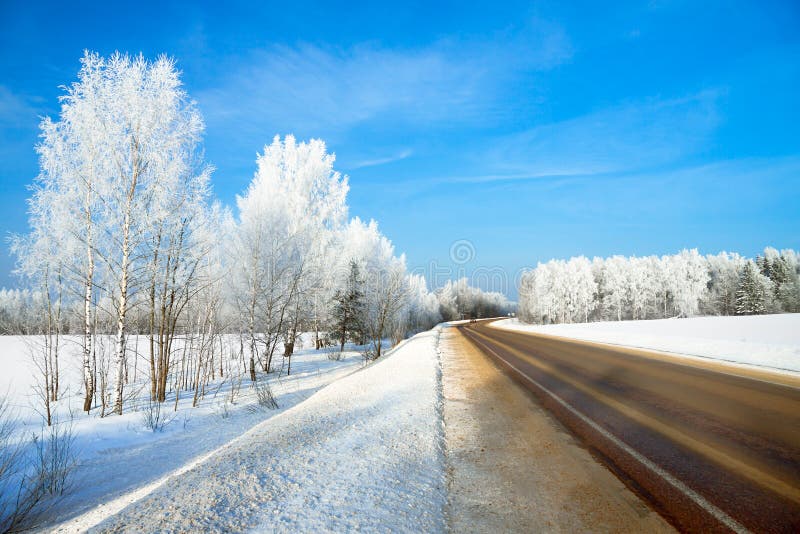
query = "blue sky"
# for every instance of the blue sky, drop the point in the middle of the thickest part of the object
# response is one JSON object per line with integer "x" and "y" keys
{"x": 533, "y": 130}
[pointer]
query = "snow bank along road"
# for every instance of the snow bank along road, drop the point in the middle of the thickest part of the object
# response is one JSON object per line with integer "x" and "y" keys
{"x": 713, "y": 447}
{"x": 362, "y": 454}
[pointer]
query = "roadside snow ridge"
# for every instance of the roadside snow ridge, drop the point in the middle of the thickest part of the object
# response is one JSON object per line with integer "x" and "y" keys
{"x": 364, "y": 453}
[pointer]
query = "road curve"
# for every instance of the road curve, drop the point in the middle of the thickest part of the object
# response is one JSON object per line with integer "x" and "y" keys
{"x": 713, "y": 448}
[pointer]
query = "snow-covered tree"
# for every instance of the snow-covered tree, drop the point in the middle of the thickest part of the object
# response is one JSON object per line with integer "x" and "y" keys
{"x": 582, "y": 289}
{"x": 688, "y": 281}
{"x": 151, "y": 130}
{"x": 63, "y": 210}
{"x": 120, "y": 185}
{"x": 17, "y": 311}
{"x": 618, "y": 287}
{"x": 459, "y": 300}
{"x": 781, "y": 269}
{"x": 754, "y": 288}
{"x": 349, "y": 312}
{"x": 724, "y": 272}
{"x": 384, "y": 275}
{"x": 288, "y": 219}
{"x": 422, "y": 309}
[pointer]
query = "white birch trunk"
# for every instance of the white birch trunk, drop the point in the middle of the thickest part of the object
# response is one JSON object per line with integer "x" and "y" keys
{"x": 88, "y": 374}
{"x": 121, "y": 313}
{"x": 122, "y": 309}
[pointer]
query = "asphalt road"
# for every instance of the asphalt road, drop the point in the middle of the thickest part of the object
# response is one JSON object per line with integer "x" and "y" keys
{"x": 711, "y": 447}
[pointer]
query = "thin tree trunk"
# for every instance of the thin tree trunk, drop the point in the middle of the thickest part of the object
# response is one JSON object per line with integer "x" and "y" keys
{"x": 88, "y": 373}
{"x": 251, "y": 330}
{"x": 343, "y": 336}
{"x": 54, "y": 366}
{"x": 48, "y": 349}
{"x": 122, "y": 309}
{"x": 121, "y": 315}
{"x": 152, "y": 319}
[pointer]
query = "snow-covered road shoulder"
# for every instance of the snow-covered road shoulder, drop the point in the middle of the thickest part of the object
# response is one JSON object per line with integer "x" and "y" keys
{"x": 761, "y": 341}
{"x": 364, "y": 453}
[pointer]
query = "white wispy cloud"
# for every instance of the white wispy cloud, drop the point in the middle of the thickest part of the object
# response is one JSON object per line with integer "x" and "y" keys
{"x": 374, "y": 162}
{"x": 734, "y": 170}
{"x": 641, "y": 138}
{"x": 310, "y": 88}
{"x": 618, "y": 138}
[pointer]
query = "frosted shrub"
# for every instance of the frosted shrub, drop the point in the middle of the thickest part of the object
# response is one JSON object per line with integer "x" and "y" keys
{"x": 54, "y": 460}
{"x": 369, "y": 354}
{"x": 153, "y": 416}
{"x": 32, "y": 472}
{"x": 10, "y": 453}
{"x": 264, "y": 395}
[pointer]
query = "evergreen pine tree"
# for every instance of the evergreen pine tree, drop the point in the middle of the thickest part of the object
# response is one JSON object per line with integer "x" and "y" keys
{"x": 788, "y": 295}
{"x": 349, "y": 307}
{"x": 781, "y": 282}
{"x": 751, "y": 296}
{"x": 764, "y": 265}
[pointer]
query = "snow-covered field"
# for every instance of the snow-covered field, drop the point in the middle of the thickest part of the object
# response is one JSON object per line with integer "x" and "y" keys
{"x": 771, "y": 341}
{"x": 363, "y": 453}
{"x": 118, "y": 456}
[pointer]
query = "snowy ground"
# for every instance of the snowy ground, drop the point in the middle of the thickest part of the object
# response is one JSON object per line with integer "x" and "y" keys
{"x": 118, "y": 456}
{"x": 363, "y": 453}
{"x": 771, "y": 341}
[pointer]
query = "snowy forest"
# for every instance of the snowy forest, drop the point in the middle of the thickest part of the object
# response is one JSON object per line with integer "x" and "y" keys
{"x": 682, "y": 285}
{"x": 130, "y": 257}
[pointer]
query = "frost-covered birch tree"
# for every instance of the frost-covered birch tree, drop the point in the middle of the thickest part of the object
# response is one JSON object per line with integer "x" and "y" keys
{"x": 64, "y": 205}
{"x": 122, "y": 181}
{"x": 288, "y": 219}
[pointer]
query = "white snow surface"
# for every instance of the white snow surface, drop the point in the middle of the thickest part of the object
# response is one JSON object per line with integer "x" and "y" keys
{"x": 363, "y": 453}
{"x": 119, "y": 460}
{"x": 771, "y": 341}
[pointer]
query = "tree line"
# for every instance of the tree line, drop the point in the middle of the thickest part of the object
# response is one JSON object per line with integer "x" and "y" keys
{"x": 681, "y": 285}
